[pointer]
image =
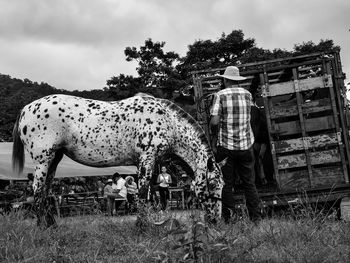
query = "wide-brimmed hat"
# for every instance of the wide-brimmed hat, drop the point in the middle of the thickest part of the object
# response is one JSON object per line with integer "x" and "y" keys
{"x": 129, "y": 177}
{"x": 232, "y": 72}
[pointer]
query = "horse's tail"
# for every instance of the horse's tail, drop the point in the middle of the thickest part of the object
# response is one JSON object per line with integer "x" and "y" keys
{"x": 17, "y": 149}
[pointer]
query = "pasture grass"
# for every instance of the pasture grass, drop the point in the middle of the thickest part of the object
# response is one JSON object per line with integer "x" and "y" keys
{"x": 183, "y": 237}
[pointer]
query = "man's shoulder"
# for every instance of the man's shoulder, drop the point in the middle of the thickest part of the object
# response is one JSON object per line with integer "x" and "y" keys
{"x": 233, "y": 90}
{"x": 224, "y": 91}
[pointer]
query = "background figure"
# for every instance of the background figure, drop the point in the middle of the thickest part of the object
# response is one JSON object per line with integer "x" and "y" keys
{"x": 164, "y": 180}
{"x": 258, "y": 123}
{"x": 185, "y": 184}
{"x": 132, "y": 191}
{"x": 110, "y": 196}
{"x": 151, "y": 194}
{"x": 100, "y": 186}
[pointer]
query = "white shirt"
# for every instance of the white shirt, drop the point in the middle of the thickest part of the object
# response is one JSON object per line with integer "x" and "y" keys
{"x": 164, "y": 180}
{"x": 120, "y": 186}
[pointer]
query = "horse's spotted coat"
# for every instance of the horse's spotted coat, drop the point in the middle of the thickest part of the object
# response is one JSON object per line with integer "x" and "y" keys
{"x": 132, "y": 131}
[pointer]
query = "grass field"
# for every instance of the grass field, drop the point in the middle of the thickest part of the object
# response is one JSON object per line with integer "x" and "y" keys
{"x": 182, "y": 238}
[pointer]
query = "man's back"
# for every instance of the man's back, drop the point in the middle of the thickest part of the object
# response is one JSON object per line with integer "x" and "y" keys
{"x": 233, "y": 105}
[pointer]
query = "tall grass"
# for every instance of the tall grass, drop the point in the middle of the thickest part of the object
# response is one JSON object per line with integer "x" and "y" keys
{"x": 180, "y": 238}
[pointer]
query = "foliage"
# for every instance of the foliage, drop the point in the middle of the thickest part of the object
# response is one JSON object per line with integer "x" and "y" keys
{"x": 310, "y": 47}
{"x": 228, "y": 49}
{"x": 124, "y": 86}
{"x": 156, "y": 70}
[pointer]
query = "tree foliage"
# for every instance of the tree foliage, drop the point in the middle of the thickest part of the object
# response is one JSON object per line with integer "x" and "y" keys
{"x": 310, "y": 47}
{"x": 228, "y": 49}
{"x": 156, "y": 70}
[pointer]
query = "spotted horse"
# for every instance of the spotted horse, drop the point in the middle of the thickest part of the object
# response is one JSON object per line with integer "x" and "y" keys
{"x": 134, "y": 131}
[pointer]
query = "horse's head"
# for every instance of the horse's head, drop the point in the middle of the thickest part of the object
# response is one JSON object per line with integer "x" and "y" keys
{"x": 208, "y": 189}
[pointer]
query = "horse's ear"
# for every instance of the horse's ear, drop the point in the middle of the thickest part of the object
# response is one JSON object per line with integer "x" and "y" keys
{"x": 223, "y": 162}
{"x": 210, "y": 164}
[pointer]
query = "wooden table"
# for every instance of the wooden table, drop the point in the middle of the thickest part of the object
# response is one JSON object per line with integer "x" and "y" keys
{"x": 177, "y": 189}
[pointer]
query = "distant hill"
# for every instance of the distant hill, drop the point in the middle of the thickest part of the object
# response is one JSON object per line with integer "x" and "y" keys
{"x": 16, "y": 93}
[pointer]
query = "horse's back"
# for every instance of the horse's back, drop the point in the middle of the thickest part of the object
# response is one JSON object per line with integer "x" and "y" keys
{"x": 95, "y": 132}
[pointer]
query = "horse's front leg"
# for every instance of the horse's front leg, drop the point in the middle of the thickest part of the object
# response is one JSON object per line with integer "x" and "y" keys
{"x": 145, "y": 167}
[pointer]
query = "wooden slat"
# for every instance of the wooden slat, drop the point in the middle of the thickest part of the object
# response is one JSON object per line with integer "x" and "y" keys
{"x": 299, "y": 160}
{"x": 213, "y": 81}
{"x": 308, "y": 107}
{"x": 218, "y": 78}
{"x": 318, "y": 141}
{"x": 304, "y": 84}
{"x": 273, "y": 80}
{"x": 313, "y": 124}
{"x": 211, "y": 89}
{"x": 277, "y": 73}
{"x": 294, "y": 180}
{"x": 325, "y": 176}
{"x": 328, "y": 176}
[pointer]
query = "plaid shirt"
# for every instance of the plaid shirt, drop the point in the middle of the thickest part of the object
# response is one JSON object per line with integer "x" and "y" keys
{"x": 233, "y": 106}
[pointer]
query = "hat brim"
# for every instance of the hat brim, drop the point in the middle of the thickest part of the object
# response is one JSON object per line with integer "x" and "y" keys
{"x": 128, "y": 177}
{"x": 233, "y": 77}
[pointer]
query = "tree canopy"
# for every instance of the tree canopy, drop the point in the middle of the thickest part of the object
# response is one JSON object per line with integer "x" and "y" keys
{"x": 161, "y": 73}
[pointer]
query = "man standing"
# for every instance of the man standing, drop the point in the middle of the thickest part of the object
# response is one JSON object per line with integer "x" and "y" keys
{"x": 233, "y": 139}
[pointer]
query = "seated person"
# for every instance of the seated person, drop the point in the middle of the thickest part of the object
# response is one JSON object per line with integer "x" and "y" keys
{"x": 119, "y": 189}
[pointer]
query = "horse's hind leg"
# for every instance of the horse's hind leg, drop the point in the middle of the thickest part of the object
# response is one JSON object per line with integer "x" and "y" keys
{"x": 44, "y": 173}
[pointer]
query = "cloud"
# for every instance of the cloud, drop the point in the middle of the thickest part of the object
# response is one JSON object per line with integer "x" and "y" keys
{"x": 79, "y": 22}
{"x": 80, "y": 44}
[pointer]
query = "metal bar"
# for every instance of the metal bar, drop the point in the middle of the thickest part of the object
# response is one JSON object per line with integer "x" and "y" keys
{"x": 264, "y": 81}
{"x": 302, "y": 124}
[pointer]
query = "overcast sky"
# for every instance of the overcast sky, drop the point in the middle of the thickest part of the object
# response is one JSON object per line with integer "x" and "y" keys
{"x": 79, "y": 44}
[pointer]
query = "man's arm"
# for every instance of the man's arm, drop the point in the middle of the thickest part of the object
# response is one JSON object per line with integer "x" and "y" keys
{"x": 215, "y": 121}
{"x": 214, "y": 130}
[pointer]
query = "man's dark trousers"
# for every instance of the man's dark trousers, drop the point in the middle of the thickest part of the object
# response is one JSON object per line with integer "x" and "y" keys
{"x": 240, "y": 164}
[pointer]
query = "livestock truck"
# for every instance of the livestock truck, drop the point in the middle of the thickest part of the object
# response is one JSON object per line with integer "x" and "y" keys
{"x": 303, "y": 99}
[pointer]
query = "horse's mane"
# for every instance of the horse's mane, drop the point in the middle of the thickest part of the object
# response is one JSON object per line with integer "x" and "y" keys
{"x": 183, "y": 114}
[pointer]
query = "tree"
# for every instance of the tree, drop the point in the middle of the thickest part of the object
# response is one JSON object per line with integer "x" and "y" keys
{"x": 124, "y": 86}
{"x": 156, "y": 68}
{"x": 204, "y": 54}
{"x": 256, "y": 54}
{"x": 310, "y": 47}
